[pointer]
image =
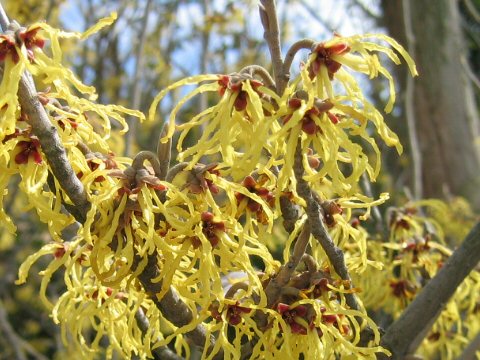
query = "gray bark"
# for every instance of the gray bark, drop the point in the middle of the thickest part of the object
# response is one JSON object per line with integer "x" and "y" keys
{"x": 445, "y": 111}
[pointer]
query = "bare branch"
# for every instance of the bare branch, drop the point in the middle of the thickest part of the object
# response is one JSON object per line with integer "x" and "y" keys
{"x": 296, "y": 47}
{"x": 47, "y": 134}
{"x": 162, "y": 352}
{"x": 285, "y": 273}
{"x": 317, "y": 228}
{"x": 471, "y": 349}
{"x": 472, "y": 10}
{"x": 261, "y": 72}
{"x": 4, "y": 22}
{"x": 268, "y": 16}
{"x": 151, "y": 157}
{"x": 406, "y": 333}
{"x": 136, "y": 89}
{"x": 367, "y": 188}
{"x": 470, "y": 74}
{"x": 366, "y": 10}
{"x": 171, "y": 306}
{"x": 164, "y": 153}
{"x": 20, "y": 346}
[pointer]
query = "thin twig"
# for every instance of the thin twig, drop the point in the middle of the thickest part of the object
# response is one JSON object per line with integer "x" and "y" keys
{"x": 174, "y": 171}
{"x": 294, "y": 49}
{"x": 138, "y": 160}
{"x": 164, "y": 153}
{"x": 261, "y": 72}
{"x": 268, "y": 16}
{"x": 406, "y": 333}
{"x": 472, "y": 10}
{"x": 285, "y": 273}
{"x": 367, "y": 188}
{"x": 136, "y": 88}
{"x": 367, "y": 10}
{"x": 20, "y": 346}
{"x": 4, "y": 22}
{"x": 468, "y": 70}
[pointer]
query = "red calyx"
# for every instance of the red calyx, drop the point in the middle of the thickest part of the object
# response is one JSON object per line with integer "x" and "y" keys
{"x": 29, "y": 148}
{"x": 7, "y": 47}
{"x": 210, "y": 228}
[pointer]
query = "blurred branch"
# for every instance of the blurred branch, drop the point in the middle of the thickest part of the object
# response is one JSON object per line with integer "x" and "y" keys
{"x": 409, "y": 107}
{"x": 366, "y": 9}
{"x": 314, "y": 13}
{"x": 136, "y": 90}
{"x": 472, "y": 10}
{"x": 205, "y": 54}
{"x": 407, "y": 332}
{"x": 471, "y": 349}
{"x": 367, "y": 188}
{"x": 468, "y": 70}
{"x": 20, "y": 346}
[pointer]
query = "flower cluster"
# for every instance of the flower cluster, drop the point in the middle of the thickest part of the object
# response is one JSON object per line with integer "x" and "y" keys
{"x": 414, "y": 252}
{"x": 204, "y": 229}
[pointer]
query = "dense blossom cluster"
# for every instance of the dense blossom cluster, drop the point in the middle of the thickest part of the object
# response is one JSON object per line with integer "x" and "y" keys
{"x": 415, "y": 252}
{"x": 209, "y": 222}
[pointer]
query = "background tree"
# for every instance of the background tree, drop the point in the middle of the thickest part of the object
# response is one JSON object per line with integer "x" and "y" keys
{"x": 440, "y": 104}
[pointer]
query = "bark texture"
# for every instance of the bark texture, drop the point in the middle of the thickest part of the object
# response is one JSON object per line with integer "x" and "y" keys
{"x": 445, "y": 112}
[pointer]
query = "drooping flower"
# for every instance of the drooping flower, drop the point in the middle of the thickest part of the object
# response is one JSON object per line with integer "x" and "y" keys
{"x": 229, "y": 126}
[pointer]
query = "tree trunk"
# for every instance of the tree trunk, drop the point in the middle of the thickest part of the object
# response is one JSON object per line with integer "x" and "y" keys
{"x": 444, "y": 108}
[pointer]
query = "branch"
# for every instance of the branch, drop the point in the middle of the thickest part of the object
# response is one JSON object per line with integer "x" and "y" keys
{"x": 162, "y": 352}
{"x": 296, "y": 47}
{"x": 366, "y": 10}
{"x": 261, "y": 72}
{"x": 472, "y": 10}
{"x": 47, "y": 134}
{"x": 317, "y": 228}
{"x": 171, "y": 306}
{"x": 51, "y": 145}
{"x": 136, "y": 91}
{"x": 406, "y": 333}
{"x": 19, "y": 345}
{"x": 470, "y": 74}
{"x": 268, "y": 16}
{"x": 367, "y": 188}
{"x": 164, "y": 153}
{"x": 471, "y": 349}
{"x": 285, "y": 273}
